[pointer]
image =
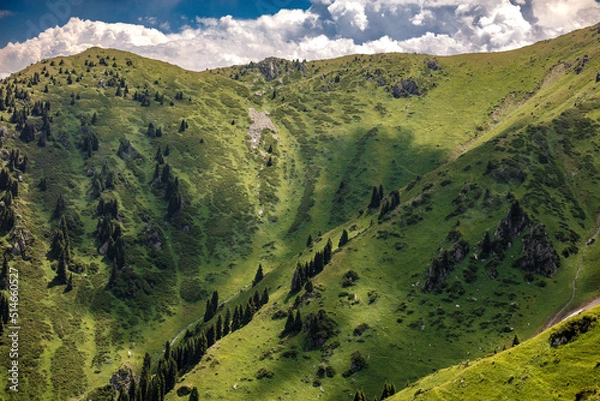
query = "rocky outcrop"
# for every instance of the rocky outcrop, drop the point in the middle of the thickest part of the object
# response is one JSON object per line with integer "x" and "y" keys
{"x": 433, "y": 64}
{"x": 442, "y": 266}
{"x": 126, "y": 150}
{"x": 406, "y": 88}
{"x": 538, "y": 256}
{"x": 512, "y": 225}
{"x": 571, "y": 331}
{"x": 273, "y": 68}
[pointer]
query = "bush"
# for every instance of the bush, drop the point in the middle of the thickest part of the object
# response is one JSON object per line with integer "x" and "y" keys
{"x": 264, "y": 373}
{"x": 349, "y": 279}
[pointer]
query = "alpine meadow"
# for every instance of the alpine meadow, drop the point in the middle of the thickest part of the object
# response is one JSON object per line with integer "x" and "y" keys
{"x": 398, "y": 226}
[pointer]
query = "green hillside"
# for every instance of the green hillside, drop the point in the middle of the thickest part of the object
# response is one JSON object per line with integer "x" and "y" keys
{"x": 407, "y": 213}
{"x": 561, "y": 363}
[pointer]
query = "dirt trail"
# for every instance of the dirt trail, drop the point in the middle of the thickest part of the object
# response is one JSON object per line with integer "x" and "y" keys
{"x": 567, "y": 310}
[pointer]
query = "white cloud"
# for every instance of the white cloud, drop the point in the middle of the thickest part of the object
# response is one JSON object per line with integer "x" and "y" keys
{"x": 6, "y": 13}
{"x": 330, "y": 28}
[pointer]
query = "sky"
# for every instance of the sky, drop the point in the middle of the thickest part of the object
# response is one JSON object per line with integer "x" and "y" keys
{"x": 205, "y": 34}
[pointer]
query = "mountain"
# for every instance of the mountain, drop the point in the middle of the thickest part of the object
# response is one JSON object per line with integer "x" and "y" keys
{"x": 291, "y": 229}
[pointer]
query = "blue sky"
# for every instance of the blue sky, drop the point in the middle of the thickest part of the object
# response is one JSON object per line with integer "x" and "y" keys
{"x": 197, "y": 35}
{"x": 25, "y": 19}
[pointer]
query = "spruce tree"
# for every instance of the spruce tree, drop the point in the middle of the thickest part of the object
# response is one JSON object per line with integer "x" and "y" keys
{"x": 194, "y": 396}
{"x": 265, "y": 297}
{"x": 360, "y": 396}
{"x": 289, "y": 323}
{"x": 343, "y": 239}
{"x": 227, "y": 322}
{"x": 309, "y": 241}
{"x": 375, "y": 200}
{"x": 516, "y": 341}
{"x": 258, "y": 276}
{"x": 297, "y": 322}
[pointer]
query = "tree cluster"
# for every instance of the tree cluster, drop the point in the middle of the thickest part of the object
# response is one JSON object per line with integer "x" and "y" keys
{"x": 178, "y": 360}
{"x": 310, "y": 269}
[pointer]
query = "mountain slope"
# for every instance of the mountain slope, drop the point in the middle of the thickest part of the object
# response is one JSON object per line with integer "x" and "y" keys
{"x": 559, "y": 363}
{"x": 140, "y": 189}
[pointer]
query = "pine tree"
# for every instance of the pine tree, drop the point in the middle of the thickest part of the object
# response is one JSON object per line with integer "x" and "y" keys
{"x": 265, "y": 297}
{"x": 258, "y": 276}
{"x": 360, "y": 396}
{"x": 219, "y": 328}
{"x": 343, "y": 239}
{"x": 296, "y": 281}
{"x": 61, "y": 271}
{"x": 69, "y": 286}
{"x": 182, "y": 126}
{"x": 388, "y": 391}
{"x": 289, "y": 323}
{"x": 308, "y": 287}
{"x": 194, "y": 396}
{"x": 227, "y": 322}
{"x": 309, "y": 240}
{"x": 60, "y": 207}
{"x": 375, "y": 200}
{"x": 515, "y": 341}
{"x": 4, "y": 274}
{"x": 297, "y": 322}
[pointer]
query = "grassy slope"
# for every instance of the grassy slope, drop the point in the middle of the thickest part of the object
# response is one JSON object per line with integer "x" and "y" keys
{"x": 532, "y": 370}
{"x": 351, "y": 131}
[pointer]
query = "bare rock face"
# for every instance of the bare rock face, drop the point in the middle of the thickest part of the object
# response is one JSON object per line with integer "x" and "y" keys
{"x": 122, "y": 379}
{"x": 126, "y": 150}
{"x": 539, "y": 256}
{"x": 406, "y": 88}
{"x": 513, "y": 225}
{"x": 433, "y": 65}
{"x": 442, "y": 266}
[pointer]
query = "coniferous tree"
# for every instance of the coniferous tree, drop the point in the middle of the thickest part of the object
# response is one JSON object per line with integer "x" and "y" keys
{"x": 61, "y": 270}
{"x": 144, "y": 383}
{"x": 69, "y": 286}
{"x": 289, "y": 323}
{"x": 59, "y": 207}
{"x": 486, "y": 245}
{"x": 227, "y": 322}
{"x": 308, "y": 287}
{"x": 182, "y": 126}
{"x": 219, "y": 328}
{"x": 258, "y": 276}
{"x": 360, "y": 396}
{"x": 375, "y": 200}
{"x": 388, "y": 391}
{"x": 297, "y": 322}
{"x": 309, "y": 240}
{"x": 265, "y": 297}
{"x": 151, "y": 131}
{"x": 194, "y": 396}
{"x": 343, "y": 239}
{"x": 296, "y": 280}
{"x": 4, "y": 274}
{"x": 516, "y": 341}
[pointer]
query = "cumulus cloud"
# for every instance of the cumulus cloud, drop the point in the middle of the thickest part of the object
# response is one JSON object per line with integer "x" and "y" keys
{"x": 330, "y": 28}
